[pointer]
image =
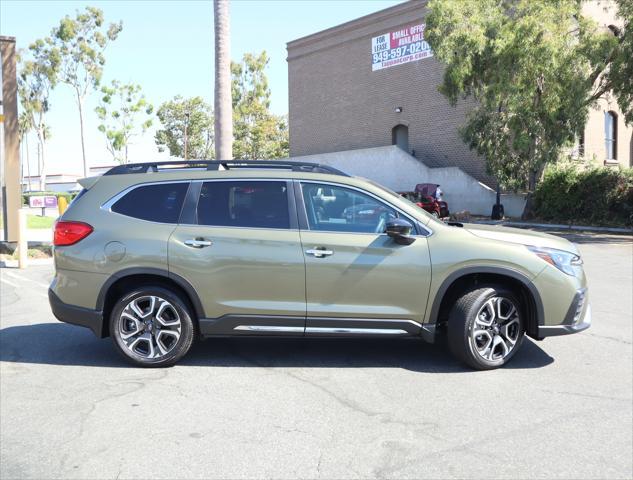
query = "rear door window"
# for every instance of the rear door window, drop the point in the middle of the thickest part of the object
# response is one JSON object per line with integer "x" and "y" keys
{"x": 258, "y": 204}
{"x": 155, "y": 203}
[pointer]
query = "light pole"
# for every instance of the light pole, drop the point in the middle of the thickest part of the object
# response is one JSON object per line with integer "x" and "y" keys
{"x": 186, "y": 125}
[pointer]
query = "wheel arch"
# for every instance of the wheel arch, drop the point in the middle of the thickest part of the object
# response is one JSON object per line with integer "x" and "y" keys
{"x": 464, "y": 278}
{"x": 117, "y": 284}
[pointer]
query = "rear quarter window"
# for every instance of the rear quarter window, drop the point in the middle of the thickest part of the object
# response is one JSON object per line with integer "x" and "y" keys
{"x": 155, "y": 203}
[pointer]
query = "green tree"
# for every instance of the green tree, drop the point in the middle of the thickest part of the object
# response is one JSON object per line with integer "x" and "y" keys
{"x": 258, "y": 133}
{"x": 120, "y": 110}
{"x": 197, "y": 117}
{"x": 533, "y": 67}
{"x": 80, "y": 44}
{"x": 38, "y": 76}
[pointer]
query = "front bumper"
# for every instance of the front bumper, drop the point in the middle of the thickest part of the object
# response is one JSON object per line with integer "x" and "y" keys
{"x": 554, "y": 330}
{"x": 84, "y": 317}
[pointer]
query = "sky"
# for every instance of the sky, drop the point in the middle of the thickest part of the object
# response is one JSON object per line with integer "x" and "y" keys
{"x": 167, "y": 47}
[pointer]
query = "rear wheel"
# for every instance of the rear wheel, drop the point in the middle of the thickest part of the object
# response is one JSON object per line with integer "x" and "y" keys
{"x": 486, "y": 327}
{"x": 151, "y": 327}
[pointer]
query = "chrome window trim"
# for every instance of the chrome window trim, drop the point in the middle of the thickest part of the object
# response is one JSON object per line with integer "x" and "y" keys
{"x": 107, "y": 206}
{"x": 380, "y": 199}
{"x": 205, "y": 180}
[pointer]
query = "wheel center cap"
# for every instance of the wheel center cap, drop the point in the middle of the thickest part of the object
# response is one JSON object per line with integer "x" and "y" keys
{"x": 495, "y": 329}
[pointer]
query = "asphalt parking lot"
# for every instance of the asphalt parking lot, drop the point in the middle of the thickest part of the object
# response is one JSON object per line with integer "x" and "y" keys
{"x": 283, "y": 408}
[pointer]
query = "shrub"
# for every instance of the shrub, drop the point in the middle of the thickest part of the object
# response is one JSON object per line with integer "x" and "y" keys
{"x": 597, "y": 195}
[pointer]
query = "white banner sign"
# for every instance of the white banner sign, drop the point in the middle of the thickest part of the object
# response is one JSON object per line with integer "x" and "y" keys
{"x": 402, "y": 46}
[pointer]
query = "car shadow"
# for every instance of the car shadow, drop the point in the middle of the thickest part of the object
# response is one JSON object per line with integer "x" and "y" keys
{"x": 62, "y": 344}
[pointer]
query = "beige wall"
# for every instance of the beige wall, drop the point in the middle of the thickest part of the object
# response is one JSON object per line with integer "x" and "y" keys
{"x": 460, "y": 190}
{"x": 604, "y": 12}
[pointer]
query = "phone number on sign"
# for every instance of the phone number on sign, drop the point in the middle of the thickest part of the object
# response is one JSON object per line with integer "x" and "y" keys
{"x": 401, "y": 51}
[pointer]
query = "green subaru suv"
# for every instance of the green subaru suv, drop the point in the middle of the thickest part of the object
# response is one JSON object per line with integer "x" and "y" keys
{"x": 155, "y": 255}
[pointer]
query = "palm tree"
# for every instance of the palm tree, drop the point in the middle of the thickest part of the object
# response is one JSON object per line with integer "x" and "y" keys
{"x": 25, "y": 125}
{"x": 223, "y": 102}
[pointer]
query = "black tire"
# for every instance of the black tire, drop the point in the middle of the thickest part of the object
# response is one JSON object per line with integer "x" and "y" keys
{"x": 462, "y": 320}
{"x": 176, "y": 350}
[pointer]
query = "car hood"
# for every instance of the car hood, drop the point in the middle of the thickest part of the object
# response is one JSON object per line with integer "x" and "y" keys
{"x": 521, "y": 236}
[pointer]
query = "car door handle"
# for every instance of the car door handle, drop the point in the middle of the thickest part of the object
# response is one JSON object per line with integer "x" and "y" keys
{"x": 319, "y": 252}
{"x": 198, "y": 243}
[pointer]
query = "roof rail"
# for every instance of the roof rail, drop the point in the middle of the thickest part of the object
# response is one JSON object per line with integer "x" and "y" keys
{"x": 225, "y": 164}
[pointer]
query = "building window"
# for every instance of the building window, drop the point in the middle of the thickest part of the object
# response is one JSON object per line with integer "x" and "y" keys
{"x": 400, "y": 137}
{"x": 611, "y": 135}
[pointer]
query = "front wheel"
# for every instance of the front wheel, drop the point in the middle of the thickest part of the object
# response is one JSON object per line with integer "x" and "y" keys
{"x": 151, "y": 327}
{"x": 486, "y": 327}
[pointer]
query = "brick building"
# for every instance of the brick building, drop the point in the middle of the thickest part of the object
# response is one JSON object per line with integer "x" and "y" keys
{"x": 606, "y": 139}
{"x": 344, "y": 97}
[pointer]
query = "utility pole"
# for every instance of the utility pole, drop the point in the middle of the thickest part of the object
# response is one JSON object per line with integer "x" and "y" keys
{"x": 10, "y": 154}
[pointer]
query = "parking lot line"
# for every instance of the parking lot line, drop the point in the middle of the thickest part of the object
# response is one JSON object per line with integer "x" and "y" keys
{"x": 18, "y": 277}
{"x": 4, "y": 280}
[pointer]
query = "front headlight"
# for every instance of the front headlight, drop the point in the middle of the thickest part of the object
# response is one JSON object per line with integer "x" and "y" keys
{"x": 564, "y": 261}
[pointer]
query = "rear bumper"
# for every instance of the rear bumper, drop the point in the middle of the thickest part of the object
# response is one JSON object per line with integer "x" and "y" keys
{"x": 84, "y": 317}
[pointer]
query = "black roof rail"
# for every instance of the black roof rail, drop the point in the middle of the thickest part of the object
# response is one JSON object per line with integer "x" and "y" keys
{"x": 225, "y": 164}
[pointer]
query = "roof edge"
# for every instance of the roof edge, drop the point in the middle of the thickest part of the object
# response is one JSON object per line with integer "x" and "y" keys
{"x": 358, "y": 22}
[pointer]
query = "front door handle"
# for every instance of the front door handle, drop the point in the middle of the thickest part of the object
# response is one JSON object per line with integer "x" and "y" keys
{"x": 319, "y": 252}
{"x": 198, "y": 243}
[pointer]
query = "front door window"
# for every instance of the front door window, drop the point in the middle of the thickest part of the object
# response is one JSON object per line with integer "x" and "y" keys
{"x": 338, "y": 209}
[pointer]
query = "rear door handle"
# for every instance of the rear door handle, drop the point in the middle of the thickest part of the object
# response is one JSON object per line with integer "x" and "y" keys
{"x": 198, "y": 243}
{"x": 319, "y": 252}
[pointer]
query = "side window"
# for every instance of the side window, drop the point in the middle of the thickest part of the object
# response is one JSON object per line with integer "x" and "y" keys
{"x": 155, "y": 203}
{"x": 338, "y": 209}
{"x": 244, "y": 204}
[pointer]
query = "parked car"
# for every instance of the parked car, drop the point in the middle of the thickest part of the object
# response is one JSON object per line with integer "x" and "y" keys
{"x": 438, "y": 209}
{"x": 430, "y": 189}
{"x": 156, "y": 256}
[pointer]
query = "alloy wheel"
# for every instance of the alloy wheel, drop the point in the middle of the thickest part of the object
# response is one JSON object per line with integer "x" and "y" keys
{"x": 496, "y": 329}
{"x": 150, "y": 327}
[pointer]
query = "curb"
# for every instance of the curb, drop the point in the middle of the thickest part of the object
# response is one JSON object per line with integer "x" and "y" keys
{"x": 555, "y": 226}
{"x": 31, "y": 262}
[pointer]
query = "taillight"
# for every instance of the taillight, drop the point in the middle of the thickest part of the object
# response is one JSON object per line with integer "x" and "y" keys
{"x": 69, "y": 233}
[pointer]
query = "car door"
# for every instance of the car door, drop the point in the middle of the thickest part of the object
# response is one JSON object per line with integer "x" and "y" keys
{"x": 240, "y": 250}
{"x": 359, "y": 280}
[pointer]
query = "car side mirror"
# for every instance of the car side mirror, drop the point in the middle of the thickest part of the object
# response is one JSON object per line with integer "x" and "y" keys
{"x": 400, "y": 230}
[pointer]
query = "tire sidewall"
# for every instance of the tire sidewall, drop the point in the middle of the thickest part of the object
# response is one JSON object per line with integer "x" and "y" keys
{"x": 186, "y": 327}
{"x": 471, "y": 316}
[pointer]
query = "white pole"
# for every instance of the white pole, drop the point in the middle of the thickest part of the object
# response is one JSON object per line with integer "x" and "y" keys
{"x": 22, "y": 241}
